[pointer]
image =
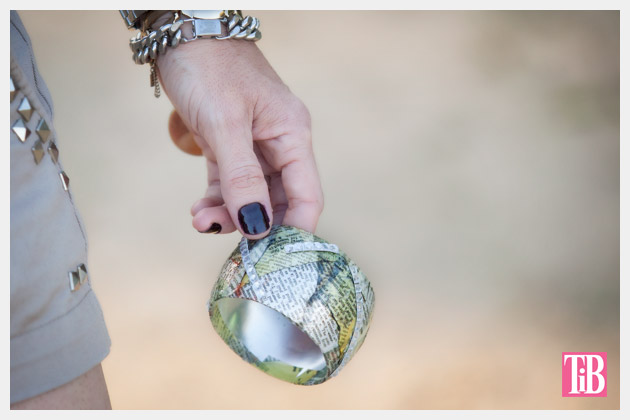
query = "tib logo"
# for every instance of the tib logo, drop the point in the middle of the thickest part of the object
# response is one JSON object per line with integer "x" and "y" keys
{"x": 584, "y": 374}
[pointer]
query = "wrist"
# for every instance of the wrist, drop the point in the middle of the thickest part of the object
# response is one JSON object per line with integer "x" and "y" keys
{"x": 166, "y": 29}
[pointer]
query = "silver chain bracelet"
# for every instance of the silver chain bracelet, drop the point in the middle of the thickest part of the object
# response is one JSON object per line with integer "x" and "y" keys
{"x": 217, "y": 24}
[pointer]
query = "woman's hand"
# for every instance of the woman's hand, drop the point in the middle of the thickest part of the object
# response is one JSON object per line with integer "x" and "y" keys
{"x": 232, "y": 107}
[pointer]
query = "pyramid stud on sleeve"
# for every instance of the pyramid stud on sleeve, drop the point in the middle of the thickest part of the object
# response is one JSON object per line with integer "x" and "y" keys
{"x": 38, "y": 151}
{"x": 65, "y": 181}
{"x": 53, "y": 152}
{"x": 75, "y": 281}
{"x": 13, "y": 90}
{"x": 83, "y": 274}
{"x": 20, "y": 130}
{"x": 25, "y": 109}
{"x": 42, "y": 130}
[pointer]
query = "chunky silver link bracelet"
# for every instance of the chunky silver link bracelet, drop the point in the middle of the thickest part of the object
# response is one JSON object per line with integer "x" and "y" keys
{"x": 147, "y": 45}
{"x": 133, "y": 17}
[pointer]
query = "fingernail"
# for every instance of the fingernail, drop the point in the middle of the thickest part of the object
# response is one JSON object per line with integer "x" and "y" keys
{"x": 253, "y": 218}
{"x": 214, "y": 228}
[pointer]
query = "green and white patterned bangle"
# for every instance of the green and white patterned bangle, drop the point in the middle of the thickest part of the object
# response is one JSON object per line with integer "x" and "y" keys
{"x": 292, "y": 305}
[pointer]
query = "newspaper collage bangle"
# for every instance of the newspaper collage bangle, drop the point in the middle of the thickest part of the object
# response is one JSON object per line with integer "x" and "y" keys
{"x": 292, "y": 305}
{"x": 149, "y": 43}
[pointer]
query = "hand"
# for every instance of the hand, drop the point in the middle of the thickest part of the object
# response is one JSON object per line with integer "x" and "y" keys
{"x": 255, "y": 134}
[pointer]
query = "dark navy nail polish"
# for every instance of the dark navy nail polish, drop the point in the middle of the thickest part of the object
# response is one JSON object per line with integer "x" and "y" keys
{"x": 253, "y": 218}
{"x": 214, "y": 228}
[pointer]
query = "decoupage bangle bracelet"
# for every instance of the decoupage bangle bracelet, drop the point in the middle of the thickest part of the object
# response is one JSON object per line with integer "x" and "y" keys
{"x": 293, "y": 305}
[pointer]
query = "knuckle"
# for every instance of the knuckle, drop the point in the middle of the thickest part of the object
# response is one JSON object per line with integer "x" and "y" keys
{"x": 245, "y": 178}
{"x": 296, "y": 151}
{"x": 315, "y": 202}
{"x": 228, "y": 123}
{"x": 297, "y": 118}
{"x": 319, "y": 203}
{"x": 230, "y": 118}
{"x": 301, "y": 111}
{"x": 301, "y": 115}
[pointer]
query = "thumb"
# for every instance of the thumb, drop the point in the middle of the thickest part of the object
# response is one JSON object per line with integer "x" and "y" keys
{"x": 243, "y": 186}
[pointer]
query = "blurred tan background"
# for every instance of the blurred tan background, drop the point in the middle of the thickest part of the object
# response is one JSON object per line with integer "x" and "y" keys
{"x": 470, "y": 163}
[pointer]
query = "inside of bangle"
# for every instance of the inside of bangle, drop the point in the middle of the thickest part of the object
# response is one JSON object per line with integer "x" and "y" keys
{"x": 286, "y": 352}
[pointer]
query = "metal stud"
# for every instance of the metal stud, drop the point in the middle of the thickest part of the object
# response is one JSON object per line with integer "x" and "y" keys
{"x": 20, "y": 129}
{"x": 53, "y": 152}
{"x": 13, "y": 90}
{"x": 65, "y": 181}
{"x": 25, "y": 109}
{"x": 83, "y": 275}
{"x": 43, "y": 130}
{"x": 75, "y": 281}
{"x": 38, "y": 151}
{"x": 78, "y": 277}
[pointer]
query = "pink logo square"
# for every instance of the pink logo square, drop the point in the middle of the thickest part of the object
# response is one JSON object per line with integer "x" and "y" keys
{"x": 584, "y": 374}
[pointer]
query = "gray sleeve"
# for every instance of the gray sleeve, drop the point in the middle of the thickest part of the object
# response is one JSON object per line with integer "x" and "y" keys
{"x": 57, "y": 327}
